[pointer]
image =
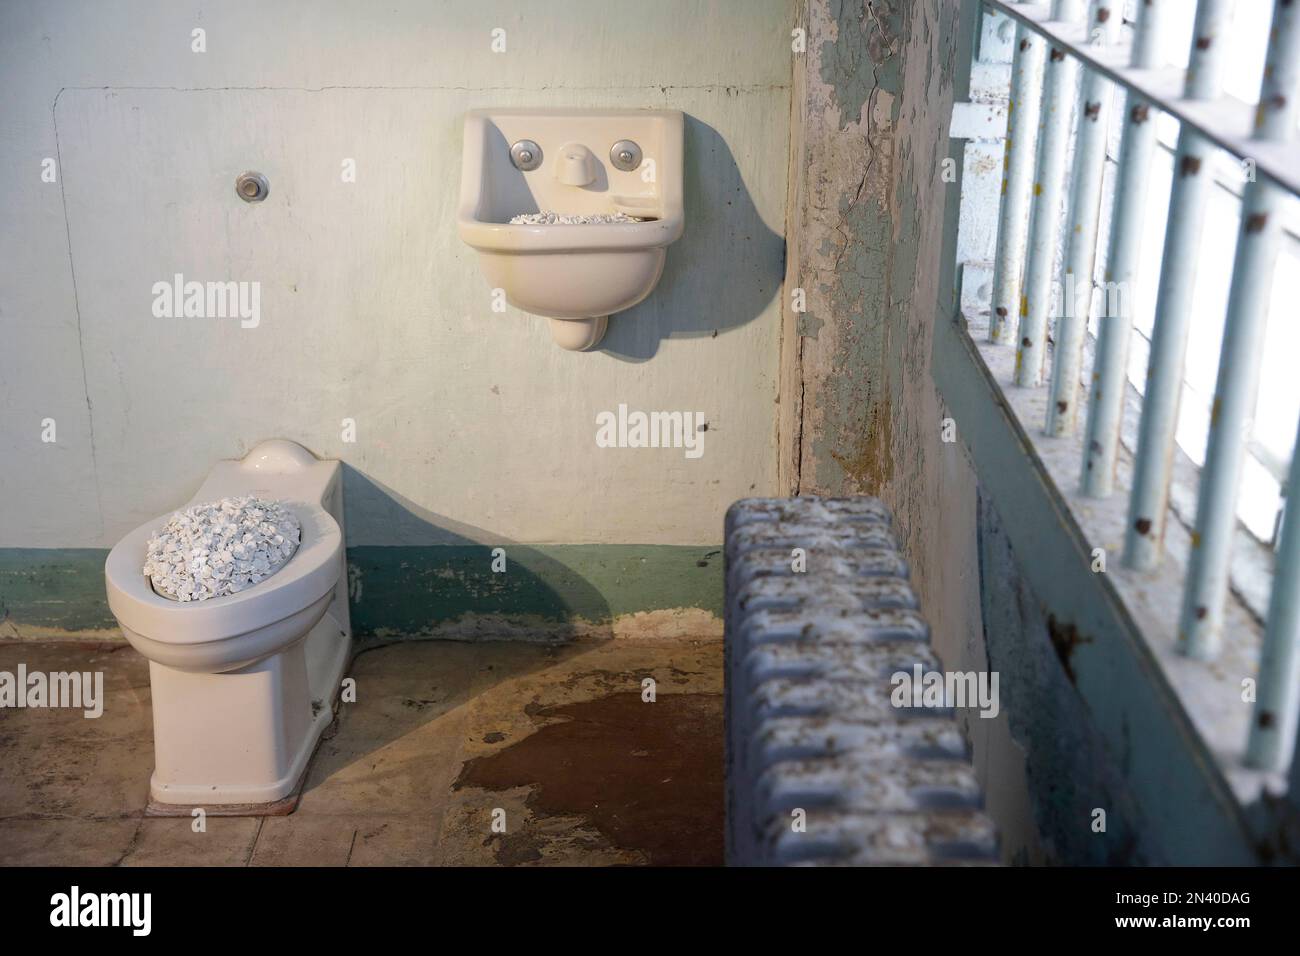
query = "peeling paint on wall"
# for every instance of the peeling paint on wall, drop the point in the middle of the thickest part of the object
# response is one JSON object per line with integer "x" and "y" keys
{"x": 866, "y": 236}
{"x": 847, "y": 220}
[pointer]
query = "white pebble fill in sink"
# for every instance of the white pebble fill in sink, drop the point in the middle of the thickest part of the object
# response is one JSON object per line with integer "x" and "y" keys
{"x": 221, "y": 547}
{"x": 556, "y": 219}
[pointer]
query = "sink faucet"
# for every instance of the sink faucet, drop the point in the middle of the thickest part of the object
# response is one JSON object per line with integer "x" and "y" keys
{"x": 576, "y": 166}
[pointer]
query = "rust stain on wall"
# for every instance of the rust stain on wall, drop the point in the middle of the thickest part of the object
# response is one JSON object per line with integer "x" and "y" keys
{"x": 1065, "y": 641}
{"x": 870, "y": 464}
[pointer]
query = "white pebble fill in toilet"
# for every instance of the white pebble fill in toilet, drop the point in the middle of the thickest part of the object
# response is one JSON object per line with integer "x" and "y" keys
{"x": 220, "y": 548}
{"x": 243, "y": 676}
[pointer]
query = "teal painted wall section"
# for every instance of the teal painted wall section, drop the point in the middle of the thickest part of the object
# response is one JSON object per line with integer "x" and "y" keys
{"x": 56, "y": 588}
{"x": 410, "y": 591}
{"x": 414, "y": 590}
{"x": 1071, "y": 771}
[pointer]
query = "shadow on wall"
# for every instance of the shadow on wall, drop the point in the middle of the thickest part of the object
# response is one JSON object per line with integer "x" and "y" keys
{"x": 728, "y": 263}
{"x": 437, "y": 578}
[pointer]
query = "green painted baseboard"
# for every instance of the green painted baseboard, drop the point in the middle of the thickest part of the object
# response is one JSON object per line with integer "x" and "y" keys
{"x": 397, "y": 590}
{"x": 57, "y": 588}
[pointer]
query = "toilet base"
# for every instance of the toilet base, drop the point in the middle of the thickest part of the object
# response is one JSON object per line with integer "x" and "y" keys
{"x": 277, "y": 808}
{"x": 239, "y": 743}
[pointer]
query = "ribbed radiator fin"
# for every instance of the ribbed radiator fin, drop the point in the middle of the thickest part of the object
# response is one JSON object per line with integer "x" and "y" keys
{"x": 811, "y": 732}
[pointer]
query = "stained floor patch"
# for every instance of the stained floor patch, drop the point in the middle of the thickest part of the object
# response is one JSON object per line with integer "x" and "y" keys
{"x": 647, "y": 776}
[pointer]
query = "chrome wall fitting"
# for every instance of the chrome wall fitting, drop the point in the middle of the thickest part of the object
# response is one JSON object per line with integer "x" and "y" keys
{"x": 625, "y": 155}
{"x": 252, "y": 187}
{"x": 526, "y": 155}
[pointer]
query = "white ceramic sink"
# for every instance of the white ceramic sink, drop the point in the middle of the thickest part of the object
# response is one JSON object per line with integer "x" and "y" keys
{"x": 575, "y": 275}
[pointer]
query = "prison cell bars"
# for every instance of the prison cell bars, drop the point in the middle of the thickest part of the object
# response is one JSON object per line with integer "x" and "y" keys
{"x": 1021, "y": 143}
{"x": 1060, "y": 73}
{"x": 1201, "y": 626}
{"x": 1104, "y": 17}
{"x": 1192, "y": 183}
{"x": 1026, "y": 246}
{"x": 1115, "y": 324}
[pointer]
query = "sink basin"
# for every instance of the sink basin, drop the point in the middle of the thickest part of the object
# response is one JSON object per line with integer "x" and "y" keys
{"x": 575, "y": 275}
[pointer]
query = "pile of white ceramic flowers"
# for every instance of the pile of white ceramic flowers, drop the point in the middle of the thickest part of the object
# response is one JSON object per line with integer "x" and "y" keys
{"x": 556, "y": 219}
{"x": 220, "y": 548}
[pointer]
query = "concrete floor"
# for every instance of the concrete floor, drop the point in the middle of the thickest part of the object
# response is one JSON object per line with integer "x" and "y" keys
{"x": 442, "y": 735}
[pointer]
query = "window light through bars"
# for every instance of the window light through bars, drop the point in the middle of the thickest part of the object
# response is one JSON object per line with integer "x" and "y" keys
{"x": 1074, "y": 62}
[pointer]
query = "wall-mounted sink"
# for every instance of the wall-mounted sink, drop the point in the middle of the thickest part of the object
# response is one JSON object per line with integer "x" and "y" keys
{"x": 581, "y": 164}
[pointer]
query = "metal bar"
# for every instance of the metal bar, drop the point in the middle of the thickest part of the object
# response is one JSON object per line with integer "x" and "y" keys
{"x": 1193, "y": 180}
{"x": 1242, "y": 350}
{"x": 1227, "y": 121}
{"x": 1060, "y": 79}
{"x": 1293, "y": 785}
{"x": 1023, "y": 109}
{"x": 1115, "y": 324}
{"x": 1085, "y": 210}
{"x": 1277, "y": 699}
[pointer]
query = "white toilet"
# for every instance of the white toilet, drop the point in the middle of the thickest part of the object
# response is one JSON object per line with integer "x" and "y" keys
{"x": 244, "y": 685}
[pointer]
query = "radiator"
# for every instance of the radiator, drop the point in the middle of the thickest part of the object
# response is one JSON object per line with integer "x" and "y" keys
{"x": 821, "y": 768}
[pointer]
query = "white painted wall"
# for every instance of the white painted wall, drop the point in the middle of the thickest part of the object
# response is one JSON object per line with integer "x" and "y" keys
{"x": 468, "y": 421}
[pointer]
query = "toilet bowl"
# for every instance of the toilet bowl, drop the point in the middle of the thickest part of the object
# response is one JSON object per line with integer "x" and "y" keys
{"x": 244, "y": 685}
